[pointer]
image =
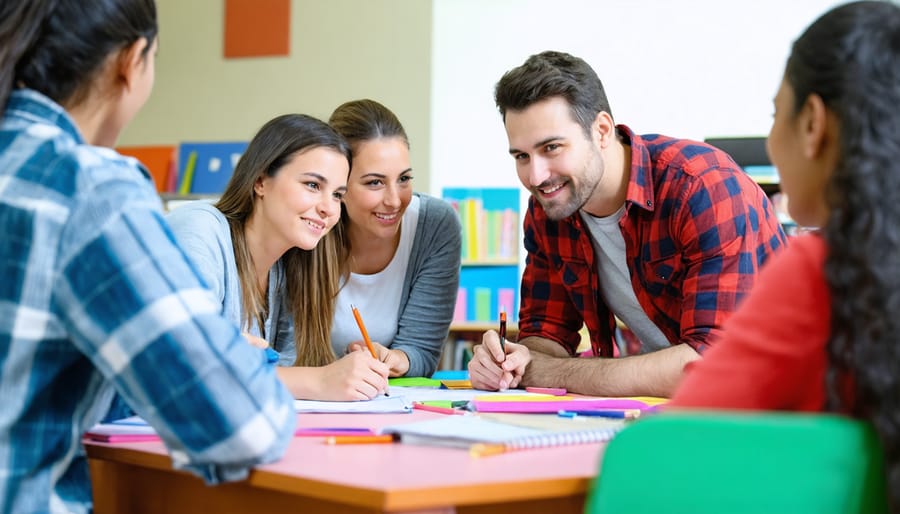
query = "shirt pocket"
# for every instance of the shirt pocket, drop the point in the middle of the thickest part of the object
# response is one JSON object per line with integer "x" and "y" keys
{"x": 662, "y": 275}
{"x": 576, "y": 277}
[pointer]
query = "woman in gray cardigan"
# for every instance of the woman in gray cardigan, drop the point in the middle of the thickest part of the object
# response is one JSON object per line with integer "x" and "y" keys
{"x": 402, "y": 250}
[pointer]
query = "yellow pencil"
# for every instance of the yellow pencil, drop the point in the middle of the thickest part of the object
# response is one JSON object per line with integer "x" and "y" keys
{"x": 483, "y": 449}
{"x": 359, "y": 439}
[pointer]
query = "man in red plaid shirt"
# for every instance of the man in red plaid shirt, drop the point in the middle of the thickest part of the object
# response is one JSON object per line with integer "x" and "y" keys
{"x": 665, "y": 234}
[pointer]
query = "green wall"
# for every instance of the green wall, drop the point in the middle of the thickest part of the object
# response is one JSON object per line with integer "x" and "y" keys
{"x": 340, "y": 50}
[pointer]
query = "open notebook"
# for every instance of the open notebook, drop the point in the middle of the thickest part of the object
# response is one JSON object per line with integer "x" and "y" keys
{"x": 379, "y": 404}
{"x": 127, "y": 430}
{"x": 497, "y": 433}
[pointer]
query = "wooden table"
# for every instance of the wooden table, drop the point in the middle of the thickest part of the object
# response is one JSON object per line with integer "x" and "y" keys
{"x": 314, "y": 477}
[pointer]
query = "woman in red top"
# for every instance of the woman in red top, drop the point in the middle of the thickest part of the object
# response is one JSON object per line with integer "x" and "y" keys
{"x": 821, "y": 329}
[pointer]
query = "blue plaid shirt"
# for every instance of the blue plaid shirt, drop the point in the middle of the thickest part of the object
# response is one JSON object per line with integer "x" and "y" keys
{"x": 97, "y": 298}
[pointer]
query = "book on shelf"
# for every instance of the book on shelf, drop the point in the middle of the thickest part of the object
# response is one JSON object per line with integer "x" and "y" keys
{"x": 490, "y": 223}
{"x": 206, "y": 167}
{"x": 489, "y": 235}
{"x": 159, "y": 161}
{"x": 489, "y": 276}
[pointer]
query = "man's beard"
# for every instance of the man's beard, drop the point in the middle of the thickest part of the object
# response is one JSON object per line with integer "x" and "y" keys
{"x": 560, "y": 209}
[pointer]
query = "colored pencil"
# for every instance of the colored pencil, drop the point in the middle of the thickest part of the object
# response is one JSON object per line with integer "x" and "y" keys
{"x": 621, "y": 414}
{"x": 434, "y": 408}
{"x": 365, "y": 335}
{"x": 359, "y": 439}
{"x": 362, "y": 329}
{"x": 484, "y": 449}
{"x": 555, "y": 391}
{"x": 332, "y": 431}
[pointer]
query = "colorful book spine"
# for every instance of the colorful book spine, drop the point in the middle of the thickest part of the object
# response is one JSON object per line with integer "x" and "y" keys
{"x": 472, "y": 227}
{"x": 506, "y": 300}
{"x": 461, "y": 310}
{"x": 188, "y": 178}
{"x": 483, "y": 310}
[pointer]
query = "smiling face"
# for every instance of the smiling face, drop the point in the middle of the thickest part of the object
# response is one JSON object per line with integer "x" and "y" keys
{"x": 380, "y": 187}
{"x": 302, "y": 201}
{"x": 554, "y": 159}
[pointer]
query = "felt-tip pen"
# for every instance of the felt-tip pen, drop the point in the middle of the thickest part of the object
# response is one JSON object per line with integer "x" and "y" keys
{"x": 620, "y": 414}
{"x": 503, "y": 329}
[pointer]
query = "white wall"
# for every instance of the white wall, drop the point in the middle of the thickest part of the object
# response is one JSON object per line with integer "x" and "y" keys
{"x": 340, "y": 50}
{"x": 693, "y": 68}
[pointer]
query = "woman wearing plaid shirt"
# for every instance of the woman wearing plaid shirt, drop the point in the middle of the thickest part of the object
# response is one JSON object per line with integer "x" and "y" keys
{"x": 96, "y": 298}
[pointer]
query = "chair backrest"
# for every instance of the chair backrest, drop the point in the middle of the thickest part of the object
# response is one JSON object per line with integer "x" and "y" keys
{"x": 727, "y": 462}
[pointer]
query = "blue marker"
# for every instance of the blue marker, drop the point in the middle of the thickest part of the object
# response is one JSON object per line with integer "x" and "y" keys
{"x": 620, "y": 414}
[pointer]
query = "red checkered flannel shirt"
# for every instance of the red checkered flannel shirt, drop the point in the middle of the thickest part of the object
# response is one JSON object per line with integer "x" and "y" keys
{"x": 696, "y": 228}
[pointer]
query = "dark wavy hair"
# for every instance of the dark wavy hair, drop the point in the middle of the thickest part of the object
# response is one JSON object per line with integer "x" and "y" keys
{"x": 550, "y": 74}
{"x": 850, "y": 57}
{"x": 57, "y": 46}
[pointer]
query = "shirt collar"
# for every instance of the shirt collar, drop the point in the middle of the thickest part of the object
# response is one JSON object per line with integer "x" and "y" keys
{"x": 640, "y": 181}
{"x": 32, "y": 106}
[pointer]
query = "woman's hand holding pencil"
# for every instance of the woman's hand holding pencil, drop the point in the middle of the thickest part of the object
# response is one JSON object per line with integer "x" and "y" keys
{"x": 365, "y": 336}
{"x": 397, "y": 360}
{"x": 355, "y": 376}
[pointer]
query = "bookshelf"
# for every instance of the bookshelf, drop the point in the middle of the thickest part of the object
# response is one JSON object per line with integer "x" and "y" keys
{"x": 189, "y": 168}
{"x": 489, "y": 274}
{"x": 189, "y": 171}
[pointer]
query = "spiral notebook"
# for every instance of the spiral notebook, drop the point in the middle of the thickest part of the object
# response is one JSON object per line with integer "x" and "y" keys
{"x": 498, "y": 433}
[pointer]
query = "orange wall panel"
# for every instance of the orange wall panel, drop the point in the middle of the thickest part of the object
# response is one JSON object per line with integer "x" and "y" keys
{"x": 255, "y": 28}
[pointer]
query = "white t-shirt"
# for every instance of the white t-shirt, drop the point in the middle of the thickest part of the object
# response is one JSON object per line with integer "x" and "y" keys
{"x": 377, "y": 296}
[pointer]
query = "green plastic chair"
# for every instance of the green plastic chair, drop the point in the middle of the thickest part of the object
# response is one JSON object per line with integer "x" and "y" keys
{"x": 726, "y": 462}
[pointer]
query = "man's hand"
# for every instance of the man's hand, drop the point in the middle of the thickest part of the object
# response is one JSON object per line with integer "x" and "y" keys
{"x": 493, "y": 368}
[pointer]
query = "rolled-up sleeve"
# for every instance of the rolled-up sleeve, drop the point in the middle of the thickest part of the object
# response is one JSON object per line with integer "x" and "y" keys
{"x": 136, "y": 306}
